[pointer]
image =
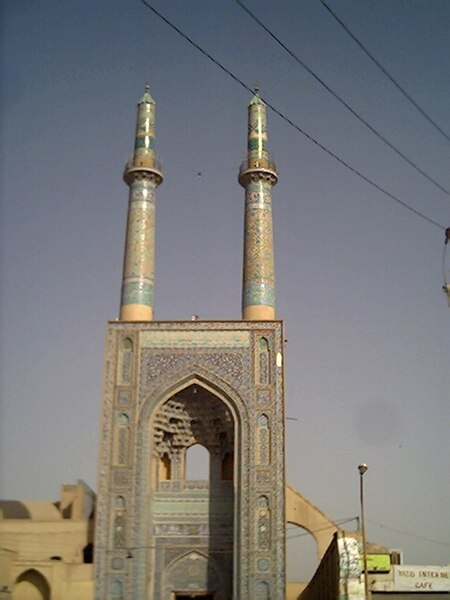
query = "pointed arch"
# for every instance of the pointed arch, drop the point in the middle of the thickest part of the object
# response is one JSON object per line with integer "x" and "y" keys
{"x": 194, "y": 374}
{"x": 176, "y": 384}
{"x": 197, "y": 561}
{"x": 189, "y": 553}
{"x": 31, "y": 585}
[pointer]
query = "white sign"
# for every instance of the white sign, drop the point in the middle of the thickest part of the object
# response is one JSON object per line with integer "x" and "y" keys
{"x": 421, "y": 578}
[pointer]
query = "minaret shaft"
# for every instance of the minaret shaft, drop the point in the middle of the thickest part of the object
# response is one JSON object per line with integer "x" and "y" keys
{"x": 143, "y": 175}
{"x": 258, "y": 175}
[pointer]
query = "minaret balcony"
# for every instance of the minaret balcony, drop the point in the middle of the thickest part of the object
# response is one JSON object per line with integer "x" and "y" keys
{"x": 257, "y": 168}
{"x": 143, "y": 166}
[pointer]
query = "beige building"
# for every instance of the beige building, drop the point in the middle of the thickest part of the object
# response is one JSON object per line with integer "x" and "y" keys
{"x": 46, "y": 548}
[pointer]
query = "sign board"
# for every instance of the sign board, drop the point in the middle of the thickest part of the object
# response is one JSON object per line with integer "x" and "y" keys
{"x": 421, "y": 578}
{"x": 378, "y": 563}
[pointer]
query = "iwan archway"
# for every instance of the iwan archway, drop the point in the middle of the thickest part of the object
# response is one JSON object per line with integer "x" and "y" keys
{"x": 191, "y": 518}
{"x": 171, "y": 387}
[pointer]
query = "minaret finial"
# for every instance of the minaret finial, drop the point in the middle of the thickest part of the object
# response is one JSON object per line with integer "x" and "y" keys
{"x": 258, "y": 175}
{"x": 143, "y": 175}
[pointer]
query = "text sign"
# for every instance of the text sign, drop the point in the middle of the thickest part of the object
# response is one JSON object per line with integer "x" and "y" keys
{"x": 421, "y": 578}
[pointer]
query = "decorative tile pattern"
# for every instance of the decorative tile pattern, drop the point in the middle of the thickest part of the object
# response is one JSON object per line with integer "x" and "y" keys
{"x": 234, "y": 408}
{"x": 117, "y": 563}
{"x": 263, "y": 524}
{"x": 258, "y": 145}
{"x": 137, "y": 286}
{"x": 193, "y": 416}
{"x": 262, "y": 591}
{"x": 143, "y": 175}
{"x": 123, "y": 398}
{"x": 119, "y": 529}
{"x": 258, "y": 175}
{"x": 263, "y": 447}
{"x": 230, "y": 365}
{"x": 257, "y": 130}
{"x": 145, "y": 129}
{"x": 259, "y": 270}
{"x": 145, "y": 141}
{"x": 263, "y": 564}
{"x": 196, "y": 339}
{"x": 263, "y": 397}
{"x": 264, "y": 361}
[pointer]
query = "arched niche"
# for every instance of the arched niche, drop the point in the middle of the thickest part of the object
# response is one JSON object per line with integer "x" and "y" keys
{"x": 193, "y": 410}
{"x": 196, "y": 572}
{"x": 31, "y": 585}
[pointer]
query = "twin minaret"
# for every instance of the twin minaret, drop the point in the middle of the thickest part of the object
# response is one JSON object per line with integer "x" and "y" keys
{"x": 258, "y": 175}
{"x": 143, "y": 175}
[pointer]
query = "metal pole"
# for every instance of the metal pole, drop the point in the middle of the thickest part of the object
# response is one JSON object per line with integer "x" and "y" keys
{"x": 362, "y": 468}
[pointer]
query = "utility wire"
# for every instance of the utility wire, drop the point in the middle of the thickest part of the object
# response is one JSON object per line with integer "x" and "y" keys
{"x": 341, "y": 100}
{"x": 290, "y": 122}
{"x": 417, "y": 537}
{"x": 318, "y": 529}
{"x": 385, "y": 72}
{"x": 343, "y": 521}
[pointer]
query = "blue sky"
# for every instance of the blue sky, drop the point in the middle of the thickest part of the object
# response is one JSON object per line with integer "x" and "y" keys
{"x": 358, "y": 277}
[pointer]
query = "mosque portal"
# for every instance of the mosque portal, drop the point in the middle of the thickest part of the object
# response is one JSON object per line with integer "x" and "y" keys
{"x": 191, "y": 490}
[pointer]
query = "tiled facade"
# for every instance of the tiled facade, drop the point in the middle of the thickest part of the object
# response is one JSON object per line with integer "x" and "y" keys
{"x": 168, "y": 386}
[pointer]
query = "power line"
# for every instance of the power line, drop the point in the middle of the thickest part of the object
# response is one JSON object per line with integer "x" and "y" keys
{"x": 386, "y": 73}
{"x": 342, "y": 101}
{"x": 343, "y": 521}
{"x": 417, "y": 537}
{"x": 319, "y": 529}
{"x": 290, "y": 122}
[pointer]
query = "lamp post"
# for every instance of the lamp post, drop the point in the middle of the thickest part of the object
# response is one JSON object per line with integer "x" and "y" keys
{"x": 362, "y": 468}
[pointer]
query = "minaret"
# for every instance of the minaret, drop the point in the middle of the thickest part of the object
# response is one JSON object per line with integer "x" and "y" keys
{"x": 142, "y": 175}
{"x": 258, "y": 175}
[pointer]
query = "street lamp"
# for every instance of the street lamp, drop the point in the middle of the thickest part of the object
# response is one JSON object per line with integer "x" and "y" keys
{"x": 362, "y": 468}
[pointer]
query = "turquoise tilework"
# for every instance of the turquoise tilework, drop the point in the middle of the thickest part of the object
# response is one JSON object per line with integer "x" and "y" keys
{"x": 259, "y": 294}
{"x": 145, "y": 141}
{"x": 137, "y": 292}
{"x": 256, "y": 144}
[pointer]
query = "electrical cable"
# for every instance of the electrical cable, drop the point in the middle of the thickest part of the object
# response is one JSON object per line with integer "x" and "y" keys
{"x": 290, "y": 122}
{"x": 318, "y": 529}
{"x": 343, "y": 521}
{"x": 342, "y": 101}
{"x": 386, "y": 73}
{"x": 418, "y": 537}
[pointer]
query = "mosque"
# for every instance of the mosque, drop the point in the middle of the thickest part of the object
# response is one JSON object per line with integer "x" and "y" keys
{"x": 154, "y": 531}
